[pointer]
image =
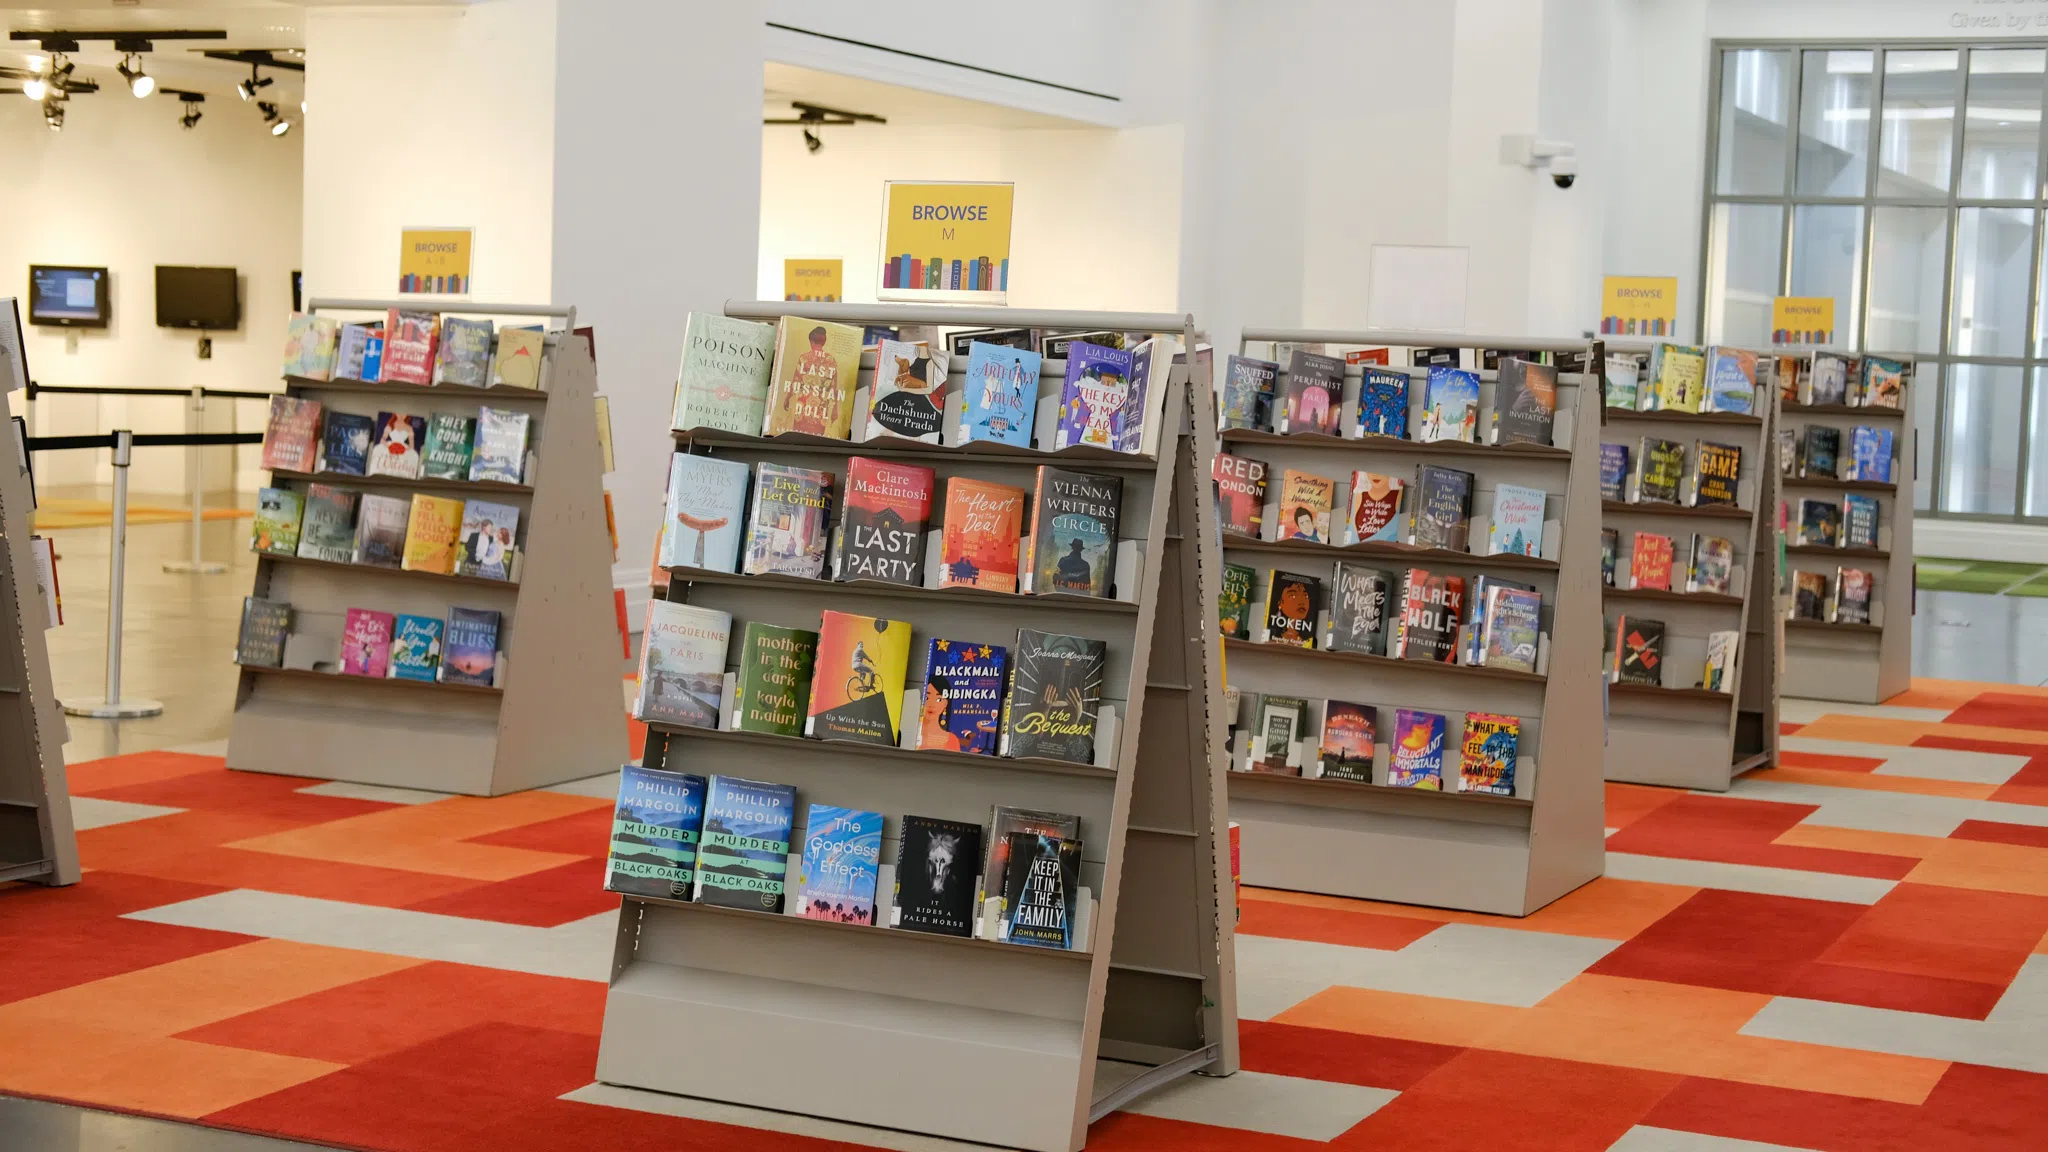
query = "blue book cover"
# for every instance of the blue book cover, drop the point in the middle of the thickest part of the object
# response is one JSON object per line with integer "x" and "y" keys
{"x": 842, "y": 858}
{"x": 1148, "y": 360}
{"x": 707, "y": 500}
{"x": 654, "y": 833}
{"x": 1517, "y": 525}
{"x": 744, "y": 855}
{"x": 1871, "y": 453}
{"x": 1613, "y": 471}
{"x": 1001, "y": 392}
{"x": 1383, "y": 403}
{"x": 345, "y": 443}
{"x": 1450, "y": 409}
{"x": 373, "y": 355}
{"x": 963, "y": 696}
{"x": 469, "y": 647}
{"x": 1731, "y": 380}
{"x": 1092, "y": 399}
{"x": 1248, "y": 392}
{"x": 415, "y": 647}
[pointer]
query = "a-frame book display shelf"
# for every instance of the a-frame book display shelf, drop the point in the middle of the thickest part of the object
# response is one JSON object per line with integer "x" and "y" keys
{"x": 554, "y": 714}
{"x": 968, "y": 1038}
{"x": 1466, "y": 850}
{"x": 1678, "y": 733}
{"x": 36, "y": 838}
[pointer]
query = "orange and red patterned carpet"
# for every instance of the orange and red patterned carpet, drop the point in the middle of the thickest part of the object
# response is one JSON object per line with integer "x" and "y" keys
{"x": 1846, "y": 953}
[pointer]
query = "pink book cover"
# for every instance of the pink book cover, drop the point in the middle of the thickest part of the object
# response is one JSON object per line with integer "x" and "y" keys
{"x": 366, "y": 643}
{"x": 410, "y": 339}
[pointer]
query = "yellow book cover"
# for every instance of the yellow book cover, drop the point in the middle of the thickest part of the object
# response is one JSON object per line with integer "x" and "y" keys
{"x": 817, "y": 367}
{"x": 857, "y": 681}
{"x": 431, "y": 532}
{"x": 519, "y": 356}
{"x": 1681, "y": 378}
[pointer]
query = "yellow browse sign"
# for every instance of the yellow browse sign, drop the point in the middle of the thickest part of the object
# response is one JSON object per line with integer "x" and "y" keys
{"x": 434, "y": 260}
{"x": 1638, "y": 305}
{"x": 941, "y": 240}
{"x": 1803, "y": 320}
{"x": 811, "y": 280}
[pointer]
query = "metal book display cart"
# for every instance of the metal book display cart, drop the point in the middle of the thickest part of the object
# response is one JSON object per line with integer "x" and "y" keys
{"x": 961, "y": 1037}
{"x": 554, "y": 712}
{"x": 36, "y": 838}
{"x": 1450, "y": 849}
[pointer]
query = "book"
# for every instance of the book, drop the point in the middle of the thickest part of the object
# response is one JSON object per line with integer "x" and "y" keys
{"x": 1073, "y": 532}
{"x": 963, "y": 342}
{"x": 743, "y": 856}
{"x": 882, "y": 530}
{"x": 813, "y": 377}
{"x": 1055, "y": 696}
{"x": 349, "y": 348}
{"x": 1789, "y": 374}
{"x": 265, "y": 624}
{"x": 1138, "y": 426}
{"x": 1525, "y": 403}
{"x": 464, "y": 355}
{"x": 447, "y": 451}
{"x": 1360, "y": 599}
{"x": 1517, "y": 524}
{"x": 345, "y": 443}
{"x": 1375, "y": 509}
{"x": 1060, "y": 347}
{"x": 1346, "y": 752}
{"x": 1005, "y": 821}
{"x": 1818, "y": 454}
{"x": 1859, "y": 521}
{"x": 1820, "y": 522}
{"x": 1677, "y": 377}
{"x": 1717, "y": 469}
{"x": 1852, "y": 596}
{"x": 1234, "y": 602}
{"x": 310, "y": 346}
{"x": 786, "y": 528}
{"x": 1638, "y": 651}
{"x": 380, "y": 531}
{"x": 1450, "y": 405}
{"x": 288, "y": 436}
{"x": 1248, "y": 386}
{"x": 1367, "y": 356}
{"x": 1431, "y": 606}
{"x": 500, "y": 451}
{"x": 415, "y": 647}
{"x": 1443, "y": 508}
{"x": 278, "y": 511}
{"x": 962, "y": 705}
{"x": 1282, "y": 725}
{"x": 773, "y": 687}
{"x": 469, "y": 647}
{"x": 1713, "y": 563}
{"x": 1730, "y": 380}
{"x": 981, "y": 535}
{"x": 328, "y": 529}
{"x": 707, "y": 500}
{"x": 1870, "y": 454}
{"x": 1000, "y": 393}
{"x": 490, "y": 532}
{"x": 1092, "y": 397}
{"x": 1238, "y": 484}
{"x": 373, "y": 354}
{"x": 1487, "y": 760}
{"x": 1610, "y": 548}
{"x": 655, "y": 826}
{"x": 1311, "y": 395}
{"x": 409, "y": 344}
{"x": 1789, "y": 456}
{"x": 366, "y": 643}
{"x": 1718, "y": 676}
{"x": 723, "y": 379}
{"x": 935, "y": 876}
{"x": 1884, "y": 382}
{"x": 517, "y": 362}
{"x": 857, "y": 681}
{"x": 1292, "y": 601}
{"x": 682, "y": 664}
{"x": 1383, "y": 403}
{"x": 1830, "y": 379}
{"x": 1039, "y": 890}
{"x": 432, "y": 531}
{"x": 1809, "y": 596}
{"x": 1613, "y": 471}
{"x": 1305, "y": 504}
{"x": 395, "y": 445}
{"x": 1650, "y": 561}
{"x": 841, "y": 861}
{"x": 1509, "y": 627}
{"x": 907, "y": 399}
{"x": 1621, "y": 378}
{"x": 1659, "y": 465}
{"x": 1417, "y": 750}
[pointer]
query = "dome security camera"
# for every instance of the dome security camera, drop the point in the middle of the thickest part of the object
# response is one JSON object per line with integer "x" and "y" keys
{"x": 1564, "y": 170}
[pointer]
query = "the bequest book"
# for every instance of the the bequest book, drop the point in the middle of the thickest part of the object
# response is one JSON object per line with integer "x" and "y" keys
{"x": 744, "y": 855}
{"x": 882, "y": 534}
{"x": 1054, "y": 697}
{"x": 654, "y": 833}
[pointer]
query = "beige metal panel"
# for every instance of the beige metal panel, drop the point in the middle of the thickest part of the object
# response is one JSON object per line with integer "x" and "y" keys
{"x": 294, "y": 728}
{"x": 1382, "y": 856}
{"x": 32, "y": 731}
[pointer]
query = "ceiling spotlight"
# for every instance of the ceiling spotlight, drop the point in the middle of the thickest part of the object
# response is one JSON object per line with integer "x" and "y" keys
{"x": 35, "y": 88}
{"x": 139, "y": 82}
{"x": 811, "y": 140}
{"x": 191, "y": 101}
{"x": 60, "y": 72}
{"x": 249, "y": 87}
{"x": 53, "y": 115}
{"x": 191, "y": 117}
{"x": 278, "y": 124}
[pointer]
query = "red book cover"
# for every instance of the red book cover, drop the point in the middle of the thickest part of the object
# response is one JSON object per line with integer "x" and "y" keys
{"x": 887, "y": 506}
{"x": 1430, "y": 611}
{"x": 1651, "y": 564}
{"x": 410, "y": 340}
{"x": 1240, "y": 486}
{"x": 1366, "y": 356}
{"x": 288, "y": 440}
{"x": 984, "y": 522}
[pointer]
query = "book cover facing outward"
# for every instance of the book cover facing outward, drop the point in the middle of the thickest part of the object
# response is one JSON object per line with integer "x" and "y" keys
{"x": 431, "y": 534}
{"x": 1055, "y": 697}
{"x": 1311, "y": 396}
{"x": 1517, "y": 525}
{"x": 415, "y": 647}
{"x": 1488, "y": 761}
{"x": 1659, "y": 466}
{"x": 518, "y": 359}
{"x": 1443, "y": 508}
{"x": 1073, "y": 532}
{"x": 310, "y": 346}
{"x": 288, "y": 437}
{"x": 723, "y": 380}
{"x": 1375, "y": 509}
{"x": 857, "y": 681}
{"x": 907, "y": 398}
{"x": 328, "y": 529}
{"x": 278, "y": 513}
{"x": 1713, "y": 562}
{"x": 1870, "y": 454}
{"x": 1359, "y": 602}
{"x": 1347, "y": 745}
{"x": 1417, "y": 750}
{"x": 813, "y": 377}
{"x": 786, "y": 531}
{"x": 1383, "y": 403}
{"x": 447, "y": 452}
{"x": 1639, "y": 650}
{"x": 366, "y": 643}
{"x": 707, "y": 498}
{"x": 1431, "y": 606}
{"x": 1305, "y": 504}
{"x": 265, "y": 624}
{"x": 1277, "y": 741}
{"x": 1651, "y": 559}
{"x": 774, "y": 682}
{"x": 1509, "y": 629}
{"x": 1001, "y": 392}
{"x": 490, "y": 532}
{"x": 1234, "y": 602}
{"x": 500, "y": 451}
{"x": 1809, "y": 596}
{"x": 984, "y": 525}
{"x": 1731, "y": 380}
{"x": 1859, "y": 521}
{"x": 1248, "y": 386}
{"x": 1292, "y": 602}
{"x": 464, "y": 357}
{"x": 345, "y": 443}
{"x": 682, "y": 664}
{"x": 1613, "y": 471}
{"x": 1005, "y": 821}
{"x": 842, "y": 859}
{"x": 1092, "y": 397}
{"x": 1239, "y": 486}
{"x": 962, "y": 705}
{"x": 398, "y": 442}
{"x": 1717, "y": 470}
{"x": 410, "y": 339}
{"x": 935, "y": 886}
{"x": 882, "y": 531}
{"x": 1038, "y": 890}
{"x": 1852, "y": 596}
{"x": 1137, "y": 425}
{"x": 1450, "y": 405}
{"x": 1884, "y": 382}
{"x": 655, "y": 827}
{"x": 1525, "y": 403}
{"x": 1721, "y": 648}
{"x": 469, "y": 649}
{"x": 380, "y": 530}
{"x": 743, "y": 856}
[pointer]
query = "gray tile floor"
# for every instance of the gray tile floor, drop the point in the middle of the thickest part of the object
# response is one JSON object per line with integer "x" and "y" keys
{"x": 1970, "y": 636}
{"x": 39, "y": 1126}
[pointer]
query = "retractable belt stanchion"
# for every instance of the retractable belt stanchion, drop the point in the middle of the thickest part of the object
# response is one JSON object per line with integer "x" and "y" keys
{"x": 112, "y": 707}
{"x": 195, "y": 482}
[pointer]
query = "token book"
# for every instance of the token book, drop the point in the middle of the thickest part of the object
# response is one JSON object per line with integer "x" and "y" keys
{"x": 980, "y": 538}
{"x": 1820, "y": 522}
{"x": 1613, "y": 471}
{"x": 1638, "y": 651}
{"x": 288, "y": 437}
{"x": 857, "y": 681}
{"x": 1234, "y": 602}
{"x": 464, "y": 355}
{"x": 1525, "y": 403}
{"x": 1517, "y": 524}
{"x": 842, "y": 859}
{"x": 1852, "y": 596}
{"x": 1450, "y": 405}
{"x": 962, "y": 705}
{"x": 707, "y": 500}
{"x": 812, "y": 378}
{"x": 1292, "y": 601}
{"x": 786, "y": 529}
{"x": 1721, "y": 647}
{"x": 1039, "y": 890}
{"x": 1383, "y": 403}
{"x": 882, "y": 531}
{"x": 1650, "y": 561}
{"x": 1443, "y": 508}
{"x": 773, "y": 687}
{"x": 1809, "y": 596}
{"x": 278, "y": 512}
{"x": 1073, "y": 532}
{"x": 743, "y": 856}
{"x": 1311, "y": 396}
{"x": 682, "y": 664}
{"x": 655, "y": 825}
{"x": 1248, "y": 386}
{"x": 432, "y": 531}
{"x": 1713, "y": 563}
{"x": 1375, "y": 509}
{"x": 1870, "y": 454}
{"x": 265, "y": 624}
{"x": 907, "y": 399}
{"x": 469, "y": 647}
{"x": 1001, "y": 393}
{"x": 518, "y": 359}
{"x": 446, "y": 456}
{"x": 1092, "y": 397}
{"x": 410, "y": 340}
{"x": 1360, "y": 599}
{"x": 1305, "y": 504}
{"x": 1731, "y": 380}
{"x": 1239, "y": 486}
{"x": 1717, "y": 469}
{"x": 310, "y": 346}
{"x": 490, "y": 532}
{"x": 380, "y": 530}
{"x": 500, "y": 450}
{"x": 1659, "y": 465}
{"x": 345, "y": 443}
{"x": 1859, "y": 521}
{"x": 1055, "y": 697}
{"x": 415, "y": 647}
{"x": 723, "y": 380}
{"x": 366, "y": 643}
{"x": 935, "y": 882}
{"x": 328, "y": 529}
{"x": 1427, "y": 628}
{"x": 1487, "y": 760}
{"x": 1417, "y": 750}
{"x": 1346, "y": 752}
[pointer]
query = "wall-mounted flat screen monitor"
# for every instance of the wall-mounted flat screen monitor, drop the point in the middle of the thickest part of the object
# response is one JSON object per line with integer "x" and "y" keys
{"x": 209, "y": 299}
{"x": 67, "y": 297}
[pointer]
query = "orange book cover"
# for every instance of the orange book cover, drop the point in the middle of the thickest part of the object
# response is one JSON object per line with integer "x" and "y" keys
{"x": 857, "y": 679}
{"x": 983, "y": 524}
{"x": 431, "y": 532}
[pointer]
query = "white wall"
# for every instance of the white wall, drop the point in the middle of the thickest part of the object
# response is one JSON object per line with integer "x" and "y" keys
{"x": 124, "y": 186}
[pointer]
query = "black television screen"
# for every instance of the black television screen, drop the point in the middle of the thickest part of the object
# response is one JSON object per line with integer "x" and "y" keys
{"x": 204, "y": 298}
{"x": 67, "y": 297}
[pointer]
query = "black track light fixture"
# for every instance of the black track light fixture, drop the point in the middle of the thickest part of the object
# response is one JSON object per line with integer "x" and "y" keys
{"x": 279, "y": 125}
{"x": 811, "y": 117}
{"x": 256, "y": 82}
{"x": 140, "y": 83}
{"x": 811, "y": 140}
{"x": 191, "y": 102}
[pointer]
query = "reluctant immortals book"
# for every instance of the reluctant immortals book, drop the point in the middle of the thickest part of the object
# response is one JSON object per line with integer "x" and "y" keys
{"x": 490, "y": 532}
{"x": 432, "y": 530}
{"x": 682, "y": 664}
{"x": 1039, "y": 889}
{"x": 288, "y": 437}
{"x": 1305, "y": 504}
{"x": 1417, "y": 750}
{"x": 743, "y": 857}
{"x": 409, "y": 344}
{"x": 773, "y": 687}
{"x": 1525, "y": 403}
{"x": 1001, "y": 393}
{"x": 1713, "y": 564}
{"x": 815, "y": 372}
{"x": 415, "y": 647}
{"x": 1360, "y": 599}
{"x": 1431, "y": 606}
{"x": 1073, "y": 532}
{"x": 1347, "y": 744}
{"x": 1517, "y": 525}
{"x": 723, "y": 380}
{"x": 655, "y": 826}
{"x": 469, "y": 647}
{"x": 707, "y": 498}
{"x": 1092, "y": 398}
{"x": 1054, "y": 698}
{"x": 464, "y": 357}
{"x": 500, "y": 451}
{"x": 265, "y": 624}
{"x": 278, "y": 512}
{"x": 328, "y": 529}
{"x": 1234, "y": 602}
{"x": 1383, "y": 403}
{"x": 786, "y": 531}
{"x": 1613, "y": 471}
{"x": 1443, "y": 508}
{"x": 1638, "y": 651}
{"x": 1248, "y": 386}
{"x": 1717, "y": 468}
{"x": 366, "y": 643}
{"x": 857, "y": 681}
{"x": 345, "y": 443}
{"x": 1239, "y": 484}
{"x": 935, "y": 867}
{"x": 1311, "y": 395}
{"x": 1292, "y": 602}
{"x": 1450, "y": 405}
{"x": 396, "y": 449}
{"x": 841, "y": 861}
{"x": 447, "y": 452}
{"x": 1659, "y": 466}
{"x": 380, "y": 530}
{"x": 961, "y": 709}
{"x": 1375, "y": 509}
{"x": 1859, "y": 521}
{"x": 881, "y": 535}
{"x": 1487, "y": 763}
{"x": 907, "y": 399}
{"x": 979, "y": 540}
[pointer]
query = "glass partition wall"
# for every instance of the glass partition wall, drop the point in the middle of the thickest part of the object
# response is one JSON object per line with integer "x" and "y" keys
{"x": 1911, "y": 194}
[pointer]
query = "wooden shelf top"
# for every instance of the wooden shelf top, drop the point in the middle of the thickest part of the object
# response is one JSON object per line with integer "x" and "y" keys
{"x": 1720, "y": 598}
{"x": 1403, "y": 553}
{"x": 495, "y": 392}
{"x": 1659, "y": 508}
{"x": 1390, "y": 444}
{"x": 1679, "y": 416}
{"x": 1826, "y": 626}
{"x": 805, "y": 924}
{"x": 1289, "y": 652}
{"x": 1446, "y": 797}
{"x": 1844, "y": 410}
{"x": 1055, "y": 601}
{"x": 1080, "y": 458}
{"x": 376, "y": 570}
{"x": 1620, "y": 688}
{"x": 389, "y": 682}
{"x": 422, "y": 484}
{"x": 1844, "y": 553}
{"x": 1834, "y": 485}
{"x": 934, "y": 757}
